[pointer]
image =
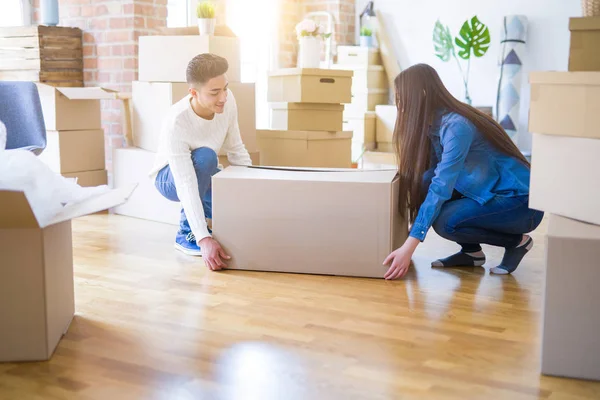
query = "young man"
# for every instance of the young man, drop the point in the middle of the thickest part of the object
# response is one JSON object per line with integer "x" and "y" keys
{"x": 194, "y": 132}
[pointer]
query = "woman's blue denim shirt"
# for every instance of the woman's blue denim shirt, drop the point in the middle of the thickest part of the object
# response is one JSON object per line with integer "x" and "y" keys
{"x": 462, "y": 159}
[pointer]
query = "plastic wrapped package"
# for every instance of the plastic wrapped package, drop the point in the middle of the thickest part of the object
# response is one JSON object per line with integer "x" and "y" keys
{"x": 46, "y": 191}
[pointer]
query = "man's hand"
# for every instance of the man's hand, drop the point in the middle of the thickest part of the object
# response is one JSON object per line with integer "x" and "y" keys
{"x": 212, "y": 253}
{"x": 399, "y": 259}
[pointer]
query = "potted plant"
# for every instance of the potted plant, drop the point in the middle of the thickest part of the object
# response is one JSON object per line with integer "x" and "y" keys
{"x": 366, "y": 37}
{"x": 206, "y": 18}
{"x": 473, "y": 40}
{"x": 309, "y": 36}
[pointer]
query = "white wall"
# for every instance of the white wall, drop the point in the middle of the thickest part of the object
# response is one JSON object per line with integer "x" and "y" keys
{"x": 411, "y": 22}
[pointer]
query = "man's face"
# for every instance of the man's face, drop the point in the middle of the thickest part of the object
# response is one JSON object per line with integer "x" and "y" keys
{"x": 212, "y": 95}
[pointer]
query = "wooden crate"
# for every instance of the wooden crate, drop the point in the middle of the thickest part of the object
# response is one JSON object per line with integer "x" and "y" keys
{"x": 52, "y": 55}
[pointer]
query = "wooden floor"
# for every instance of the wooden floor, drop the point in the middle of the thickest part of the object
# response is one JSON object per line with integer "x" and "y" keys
{"x": 154, "y": 324}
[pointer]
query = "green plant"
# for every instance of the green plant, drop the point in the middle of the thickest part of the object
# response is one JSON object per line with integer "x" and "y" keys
{"x": 473, "y": 40}
{"x": 206, "y": 10}
{"x": 364, "y": 31}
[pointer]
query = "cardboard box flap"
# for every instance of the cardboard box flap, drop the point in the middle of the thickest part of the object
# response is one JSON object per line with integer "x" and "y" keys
{"x": 584, "y": 24}
{"x": 15, "y": 211}
{"x": 308, "y": 174}
{"x": 303, "y": 135}
{"x": 569, "y": 228}
{"x": 104, "y": 201}
{"x": 86, "y": 93}
{"x": 312, "y": 72}
{"x": 307, "y": 106}
{"x": 565, "y": 78}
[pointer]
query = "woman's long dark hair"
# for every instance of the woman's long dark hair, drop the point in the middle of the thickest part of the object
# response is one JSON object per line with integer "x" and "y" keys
{"x": 420, "y": 94}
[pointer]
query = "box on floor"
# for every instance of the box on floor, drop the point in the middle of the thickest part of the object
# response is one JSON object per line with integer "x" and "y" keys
{"x": 365, "y": 101}
{"x": 563, "y": 178}
{"x": 165, "y": 58}
{"x": 363, "y": 133}
{"x": 378, "y": 160}
{"x": 585, "y": 42}
{"x": 571, "y": 322}
{"x": 306, "y": 116}
{"x": 358, "y": 56}
{"x": 74, "y": 151}
{"x": 565, "y": 103}
{"x": 36, "y": 289}
{"x": 152, "y": 101}
{"x": 72, "y": 108}
{"x": 132, "y": 166}
{"x": 311, "y": 221}
{"x": 310, "y": 85}
{"x": 305, "y": 148}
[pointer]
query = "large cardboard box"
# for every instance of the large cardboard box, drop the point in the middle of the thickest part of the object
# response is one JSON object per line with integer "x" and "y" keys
{"x": 90, "y": 178}
{"x": 564, "y": 180}
{"x": 365, "y": 77}
{"x": 571, "y": 321}
{"x": 565, "y": 103}
{"x": 72, "y": 108}
{"x": 36, "y": 265}
{"x": 306, "y": 116}
{"x": 365, "y": 101}
{"x": 308, "y": 221}
{"x": 152, "y": 101}
{"x": 132, "y": 166}
{"x": 74, "y": 151}
{"x": 305, "y": 148}
{"x": 310, "y": 85}
{"x": 585, "y": 42}
{"x": 386, "y": 122}
{"x": 363, "y": 133}
{"x": 165, "y": 58}
{"x": 356, "y": 55}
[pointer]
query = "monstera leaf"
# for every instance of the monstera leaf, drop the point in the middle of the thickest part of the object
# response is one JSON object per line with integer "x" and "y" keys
{"x": 475, "y": 37}
{"x": 442, "y": 41}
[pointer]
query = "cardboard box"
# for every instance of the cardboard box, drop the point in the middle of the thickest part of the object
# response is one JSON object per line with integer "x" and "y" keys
{"x": 36, "y": 289}
{"x": 386, "y": 122}
{"x": 90, "y": 178}
{"x": 563, "y": 178}
{"x": 306, "y": 116}
{"x": 132, "y": 166}
{"x": 386, "y": 147}
{"x": 366, "y": 101}
{"x": 306, "y": 221}
{"x": 72, "y": 108}
{"x": 571, "y": 322}
{"x": 378, "y": 160}
{"x": 152, "y": 101}
{"x": 363, "y": 133}
{"x": 585, "y": 42}
{"x": 254, "y": 156}
{"x": 365, "y": 77}
{"x": 308, "y": 85}
{"x": 165, "y": 58}
{"x": 74, "y": 151}
{"x": 305, "y": 148}
{"x": 565, "y": 103}
{"x": 356, "y": 55}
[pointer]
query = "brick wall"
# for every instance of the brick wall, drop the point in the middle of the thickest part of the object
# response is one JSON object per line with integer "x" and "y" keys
{"x": 110, "y": 48}
{"x": 292, "y": 11}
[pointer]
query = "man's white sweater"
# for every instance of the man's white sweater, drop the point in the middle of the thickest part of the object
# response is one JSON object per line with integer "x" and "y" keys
{"x": 184, "y": 131}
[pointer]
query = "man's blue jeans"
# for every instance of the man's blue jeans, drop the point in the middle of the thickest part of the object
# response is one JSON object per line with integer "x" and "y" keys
{"x": 500, "y": 222}
{"x": 206, "y": 163}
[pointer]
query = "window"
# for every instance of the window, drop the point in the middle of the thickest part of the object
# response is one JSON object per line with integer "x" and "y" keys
{"x": 12, "y": 12}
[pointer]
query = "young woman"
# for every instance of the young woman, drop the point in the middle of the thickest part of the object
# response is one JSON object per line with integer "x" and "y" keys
{"x": 460, "y": 174}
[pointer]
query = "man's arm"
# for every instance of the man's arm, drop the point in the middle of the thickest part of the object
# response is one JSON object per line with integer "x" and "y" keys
{"x": 236, "y": 151}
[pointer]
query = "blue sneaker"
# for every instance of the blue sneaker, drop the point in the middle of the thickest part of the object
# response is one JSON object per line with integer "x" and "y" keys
{"x": 186, "y": 243}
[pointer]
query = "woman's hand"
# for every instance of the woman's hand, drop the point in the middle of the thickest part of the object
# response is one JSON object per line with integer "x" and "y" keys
{"x": 399, "y": 259}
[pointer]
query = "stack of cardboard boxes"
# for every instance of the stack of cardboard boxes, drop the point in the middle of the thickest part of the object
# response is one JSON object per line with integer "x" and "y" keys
{"x": 565, "y": 183}
{"x": 74, "y": 134}
{"x": 162, "y": 83}
{"x": 369, "y": 88}
{"x": 306, "y": 119}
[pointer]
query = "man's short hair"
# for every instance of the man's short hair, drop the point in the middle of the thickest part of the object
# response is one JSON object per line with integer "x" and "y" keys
{"x": 204, "y": 67}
